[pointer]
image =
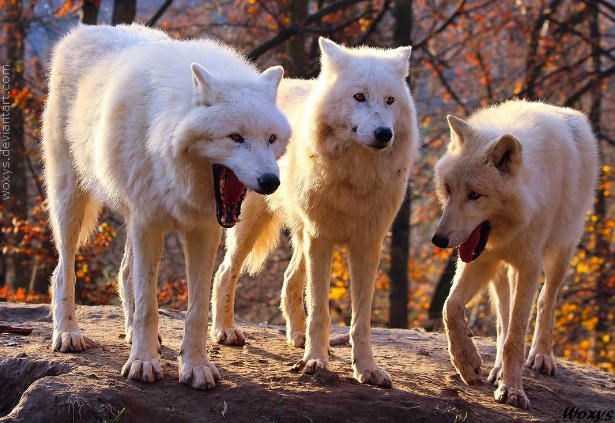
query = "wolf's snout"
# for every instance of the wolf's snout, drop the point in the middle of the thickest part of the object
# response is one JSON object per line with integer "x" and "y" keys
{"x": 383, "y": 135}
{"x": 440, "y": 241}
{"x": 268, "y": 183}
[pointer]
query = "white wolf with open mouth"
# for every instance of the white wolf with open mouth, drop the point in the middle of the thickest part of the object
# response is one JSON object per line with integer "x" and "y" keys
{"x": 344, "y": 176}
{"x": 169, "y": 134}
{"x": 515, "y": 185}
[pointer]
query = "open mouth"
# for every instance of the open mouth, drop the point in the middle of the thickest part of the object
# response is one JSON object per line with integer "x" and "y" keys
{"x": 475, "y": 244}
{"x": 229, "y": 192}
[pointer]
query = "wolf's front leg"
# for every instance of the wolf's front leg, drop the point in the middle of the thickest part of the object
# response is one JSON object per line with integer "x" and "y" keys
{"x": 143, "y": 364}
{"x": 469, "y": 280}
{"x": 510, "y": 389}
{"x": 364, "y": 258}
{"x": 195, "y": 368}
{"x": 318, "y": 264}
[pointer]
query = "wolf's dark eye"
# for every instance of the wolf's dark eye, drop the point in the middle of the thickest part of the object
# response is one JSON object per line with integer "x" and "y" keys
{"x": 237, "y": 138}
{"x": 448, "y": 188}
{"x": 390, "y": 100}
{"x": 272, "y": 138}
{"x": 474, "y": 196}
{"x": 360, "y": 97}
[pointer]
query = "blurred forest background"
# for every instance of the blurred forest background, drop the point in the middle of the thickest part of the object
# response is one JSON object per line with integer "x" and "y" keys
{"x": 467, "y": 54}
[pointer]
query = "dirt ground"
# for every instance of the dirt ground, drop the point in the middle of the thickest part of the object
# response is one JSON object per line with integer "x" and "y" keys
{"x": 39, "y": 385}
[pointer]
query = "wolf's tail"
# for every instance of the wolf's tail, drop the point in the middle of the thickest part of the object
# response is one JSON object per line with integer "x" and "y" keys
{"x": 255, "y": 237}
{"x": 266, "y": 241}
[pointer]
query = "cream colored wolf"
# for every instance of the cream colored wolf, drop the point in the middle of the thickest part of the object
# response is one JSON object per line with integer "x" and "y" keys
{"x": 344, "y": 176}
{"x": 515, "y": 185}
{"x": 134, "y": 123}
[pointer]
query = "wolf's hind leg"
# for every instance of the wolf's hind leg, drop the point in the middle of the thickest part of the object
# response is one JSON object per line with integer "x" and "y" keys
{"x": 292, "y": 296}
{"x": 500, "y": 294}
{"x": 68, "y": 206}
{"x": 239, "y": 242}
{"x": 541, "y": 358}
{"x": 126, "y": 288}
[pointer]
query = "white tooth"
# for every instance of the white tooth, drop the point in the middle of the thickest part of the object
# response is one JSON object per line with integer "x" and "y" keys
{"x": 223, "y": 219}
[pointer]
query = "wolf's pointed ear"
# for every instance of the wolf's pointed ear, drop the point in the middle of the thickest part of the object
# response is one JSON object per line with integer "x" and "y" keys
{"x": 332, "y": 55}
{"x": 460, "y": 129}
{"x": 203, "y": 81}
{"x": 401, "y": 55}
{"x": 273, "y": 76}
{"x": 505, "y": 154}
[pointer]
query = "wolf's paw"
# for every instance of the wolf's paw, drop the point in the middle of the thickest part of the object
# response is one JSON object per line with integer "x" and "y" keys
{"x": 375, "y": 375}
{"x": 512, "y": 396}
{"x": 495, "y": 375}
{"x": 543, "y": 363}
{"x": 296, "y": 339}
{"x": 142, "y": 370}
{"x": 68, "y": 341}
{"x": 310, "y": 366}
{"x": 202, "y": 376}
{"x": 467, "y": 362}
{"x": 228, "y": 336}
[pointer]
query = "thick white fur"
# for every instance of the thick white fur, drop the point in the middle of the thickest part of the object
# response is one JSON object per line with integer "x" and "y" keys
{"x": 134, "y": 123}
{"x": 536, "y": 203}
{"x": 334, "y": 189}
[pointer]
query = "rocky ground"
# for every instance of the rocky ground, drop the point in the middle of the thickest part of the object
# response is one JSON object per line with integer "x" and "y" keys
{"x": 39, "y": 385}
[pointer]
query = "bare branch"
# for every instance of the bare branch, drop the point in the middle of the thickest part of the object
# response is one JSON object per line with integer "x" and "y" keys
{"x": 163, "y": 8}
{"x": 444, "y": 82}
{"x": 372, "y": 27}
{"x": 285, "y": 33}
{"x": 589, "y": 85}
{"x": 456, "y": 13}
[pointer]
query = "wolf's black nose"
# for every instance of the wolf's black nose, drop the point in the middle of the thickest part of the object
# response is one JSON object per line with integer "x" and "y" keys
{"x": 268, "y": 183}
{"x": 440, "y": 241}
{"x": 383, "y": 134}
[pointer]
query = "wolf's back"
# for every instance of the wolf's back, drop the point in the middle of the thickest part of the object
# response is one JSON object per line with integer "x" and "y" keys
{"x": 83, "y": 47}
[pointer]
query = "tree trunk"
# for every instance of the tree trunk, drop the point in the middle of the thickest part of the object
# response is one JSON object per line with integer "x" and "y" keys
{"x": 15, "y": 157}
{"x": 534, "y": 64}
{"x": 124, "y": 11}
{"x": 295, "y": 48}
{"x": 443, "y": 288}
{"x": 400, "y": 246}
{"x": 89, "y": 12}
{"x": 604, "y": 293}
{"x": 400, "y": 233}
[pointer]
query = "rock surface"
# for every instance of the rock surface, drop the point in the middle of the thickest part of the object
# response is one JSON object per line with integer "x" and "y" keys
{"x": 39, "y": 385}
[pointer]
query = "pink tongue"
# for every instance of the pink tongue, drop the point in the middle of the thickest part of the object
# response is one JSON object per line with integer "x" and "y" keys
{"x": 466, "y": 250}
{"x": 233, "y": 189}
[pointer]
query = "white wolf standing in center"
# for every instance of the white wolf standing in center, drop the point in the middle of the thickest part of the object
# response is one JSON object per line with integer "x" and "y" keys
{"x": 343, "y": 177}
